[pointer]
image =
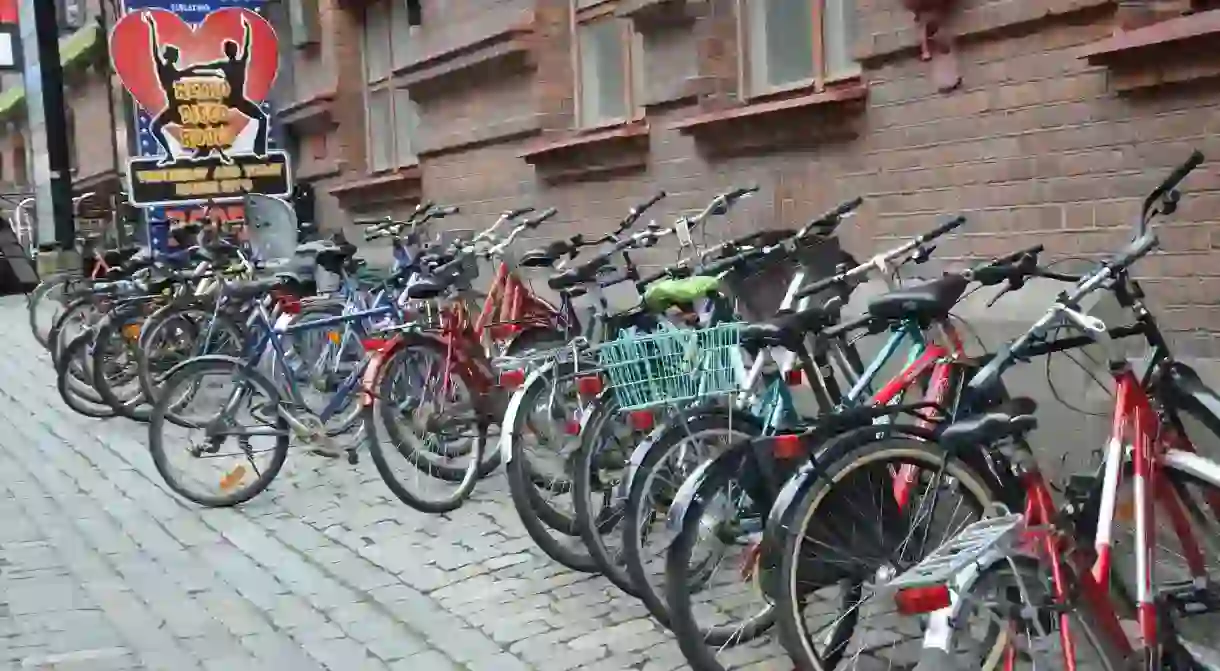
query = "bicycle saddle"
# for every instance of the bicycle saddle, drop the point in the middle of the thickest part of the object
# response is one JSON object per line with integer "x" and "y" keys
{"x": 1014, "y": 417}
{"x": 252, "y": 289}
{"x": 427, "y": 287}
{"x": 579, "y": 275}
{"x": 929, "y": 301}
{"x": 788, "y": 330}
{"x": 664, "y": 294}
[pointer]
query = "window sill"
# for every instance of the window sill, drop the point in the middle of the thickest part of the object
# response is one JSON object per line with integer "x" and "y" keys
{"x": 310, "y": 171}
{"x": 756, "y": 126}
{"x": 404, "y": 184}
{"x": 659, "y": 14}
{"x": 1157, "y": 54}
{"x": 491, "y": 55}
{"x": 314, "y": 114}
{"x": 591, "y": 153}
{"x": 507, "y": 130}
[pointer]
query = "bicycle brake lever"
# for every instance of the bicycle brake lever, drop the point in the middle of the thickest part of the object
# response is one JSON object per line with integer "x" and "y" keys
{"x": 922, "y": 254}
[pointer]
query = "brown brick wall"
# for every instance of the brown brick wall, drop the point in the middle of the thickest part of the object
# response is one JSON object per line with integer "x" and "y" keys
{"x": 1035, "y": 144}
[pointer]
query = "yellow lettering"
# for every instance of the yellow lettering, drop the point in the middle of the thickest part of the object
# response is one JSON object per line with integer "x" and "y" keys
{"x": 263, "y": 169}
{"x": 202, "y": 88}
{"x": 151, "y": 176}
{"x": 226, "y": 172}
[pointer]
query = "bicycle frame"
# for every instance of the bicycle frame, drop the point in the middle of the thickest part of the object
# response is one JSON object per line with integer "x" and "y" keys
{"x": 511, "y": 306}
{"x": 1135, "y": 432}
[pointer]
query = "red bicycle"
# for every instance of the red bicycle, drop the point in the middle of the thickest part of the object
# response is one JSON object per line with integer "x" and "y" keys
{"x": 1036, "y": 574}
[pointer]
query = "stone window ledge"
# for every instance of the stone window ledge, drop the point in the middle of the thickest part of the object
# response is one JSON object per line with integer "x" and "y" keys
{"x": 772, "y": 123}
{"x": 401, "y": 185}
{"x": 1160, "y": 53}
{"x": 505, "y": 50}
{"x": 588, "y": 153}
{"x": 313, "y": 114}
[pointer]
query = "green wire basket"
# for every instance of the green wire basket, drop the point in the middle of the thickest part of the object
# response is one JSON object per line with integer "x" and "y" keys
{"x": 673, "y": 365}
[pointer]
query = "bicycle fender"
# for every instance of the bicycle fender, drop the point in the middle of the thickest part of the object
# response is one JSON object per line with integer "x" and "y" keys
{"x": 514, "y": 406}
{"x": 728, "y": 461}
{"x": 834, "y": 446}
{"x": 246, "y": 369}
{"x": 640, "y": 454}
{"x": 1185, "y": 388}
{"x": 375, "y": 369}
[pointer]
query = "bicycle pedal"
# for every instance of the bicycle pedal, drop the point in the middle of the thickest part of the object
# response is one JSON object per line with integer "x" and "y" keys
{"x": 974, "y": 541}
{"x": 1189, "y": 599}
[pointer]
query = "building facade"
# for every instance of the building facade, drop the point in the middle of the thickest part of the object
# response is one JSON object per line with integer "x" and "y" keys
{"x": 1046, "y": 121}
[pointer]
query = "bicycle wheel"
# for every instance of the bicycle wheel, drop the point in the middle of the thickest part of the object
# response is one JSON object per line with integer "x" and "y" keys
{"x": 67, "y": 379}
{"x": 45, "y": 305}
{"x": 717, "y": 607}
{"x": 845, "y": 534}
{"x": 226, "y": 472}
{"x": 81, "y": 315}
{"x": 598, "y": 488}
{"x": 115, "y": 364}
{"x": 673, "y": 451}
{"x": 321, "y": 359}
{"x": 537, "y": 441}
{"x": 421, "y": 417}
{"x": 176, "y": 334}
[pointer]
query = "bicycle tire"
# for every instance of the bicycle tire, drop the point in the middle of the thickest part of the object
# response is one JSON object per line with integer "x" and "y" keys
{"x": 670, "y": 436}
{"x": 378, "y": 410}
{"x": 157, "y": 419}
{"x": 68, "y": 386}
{"x": 135, "y": 408}
{"x": 845, "y": 454}
{"x": 537, "y": 515}
{"x": 44, "y": 292}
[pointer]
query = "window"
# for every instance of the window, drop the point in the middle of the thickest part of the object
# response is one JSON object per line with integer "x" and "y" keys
{"x": 393, "y": 118}
{"x": 607, "y": 55}
{"x": 303, "y": 19}
{"x": 277, "y": 14}
{"x": 790, "y": 43}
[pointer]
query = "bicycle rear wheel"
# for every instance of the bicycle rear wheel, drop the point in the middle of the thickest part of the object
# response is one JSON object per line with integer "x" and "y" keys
{"x": 845, "y": 535}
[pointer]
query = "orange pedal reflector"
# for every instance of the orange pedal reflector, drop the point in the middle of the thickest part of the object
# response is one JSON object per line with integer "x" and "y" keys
{"x": 233, "y": 478}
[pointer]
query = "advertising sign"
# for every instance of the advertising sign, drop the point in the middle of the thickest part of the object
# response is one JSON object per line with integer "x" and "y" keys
{"x": 201, "y": 88}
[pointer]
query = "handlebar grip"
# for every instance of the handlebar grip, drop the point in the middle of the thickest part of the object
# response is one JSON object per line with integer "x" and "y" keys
{"x": 445, "y": 211}
{"x": 513, "y": 214}
{"x": 1180, "y": 173}
{"x": 944, "y": 228}
{"x": 650, "y": 202}
{"x": 533, "y": 222}
{"x": 423, "y": 206}
{"x": 846, "y": 207}
{"x": 735, "y": 194}
{"x": 370, "y": 222}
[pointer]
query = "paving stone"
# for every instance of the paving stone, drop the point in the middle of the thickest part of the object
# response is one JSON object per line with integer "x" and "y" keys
{"x": 326, "y": 571}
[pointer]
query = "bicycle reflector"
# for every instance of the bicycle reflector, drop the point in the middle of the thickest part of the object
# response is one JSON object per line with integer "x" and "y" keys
{"x": 374, "y": 344}
{"x": 794, "y": 377}
{"x": 572, "y": 427}
{"x": 920, "y": 600}
{"x": 589, "y": 385}
{"x": 787, "y": 446}
{"x": 511, "y": 379}
{"x": 642, "y": 420}
{"x": 289, "y": 304}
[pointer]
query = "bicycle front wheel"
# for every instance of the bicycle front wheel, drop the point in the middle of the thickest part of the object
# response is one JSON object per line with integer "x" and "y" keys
{"x": 436, "y": 431}
{"x": 234, "y": 464}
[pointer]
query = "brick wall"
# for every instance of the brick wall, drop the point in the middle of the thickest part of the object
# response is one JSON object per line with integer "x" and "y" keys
{"x": 1037, "y": 144}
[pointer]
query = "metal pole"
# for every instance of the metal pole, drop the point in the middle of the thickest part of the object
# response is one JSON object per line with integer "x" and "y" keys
{"x": 44, "y": 93}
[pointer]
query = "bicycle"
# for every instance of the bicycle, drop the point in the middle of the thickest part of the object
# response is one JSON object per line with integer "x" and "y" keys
{"x": 1148, "y": 441}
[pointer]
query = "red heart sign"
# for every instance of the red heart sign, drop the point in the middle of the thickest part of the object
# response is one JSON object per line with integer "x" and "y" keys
{"x": 152, "y": 49}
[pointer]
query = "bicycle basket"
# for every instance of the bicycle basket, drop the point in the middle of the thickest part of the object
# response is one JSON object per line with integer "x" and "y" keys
{"x": 672, "y": 365}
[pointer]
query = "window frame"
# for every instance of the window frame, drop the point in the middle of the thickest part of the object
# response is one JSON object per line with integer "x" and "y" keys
{"x": 818, "y": 80}
{"x": 388, "y": 85}
{"x": 586, "y": 12}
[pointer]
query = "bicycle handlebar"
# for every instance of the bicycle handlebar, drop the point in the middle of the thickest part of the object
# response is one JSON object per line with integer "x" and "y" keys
{"x": 862, "y": 270}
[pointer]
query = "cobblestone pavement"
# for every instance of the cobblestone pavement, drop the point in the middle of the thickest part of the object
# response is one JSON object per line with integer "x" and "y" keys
{"x": 102, "y": 568}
